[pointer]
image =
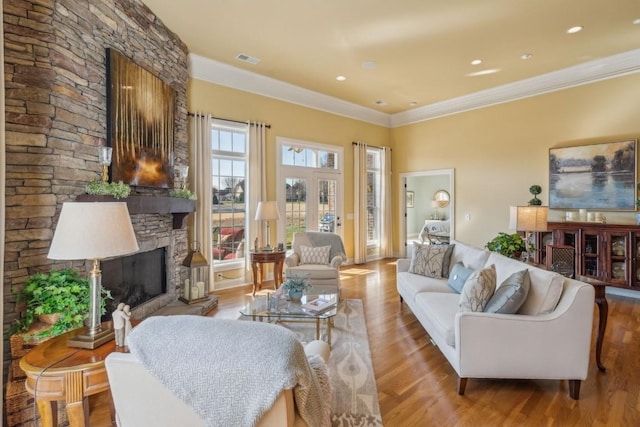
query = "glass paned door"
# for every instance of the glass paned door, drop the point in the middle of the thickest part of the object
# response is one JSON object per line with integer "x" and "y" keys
{"x": 295, "y": 217}
{"x": 327, "y": 203}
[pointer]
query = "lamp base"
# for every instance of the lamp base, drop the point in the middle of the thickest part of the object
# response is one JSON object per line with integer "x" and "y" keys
{"x": 86, "y": 340}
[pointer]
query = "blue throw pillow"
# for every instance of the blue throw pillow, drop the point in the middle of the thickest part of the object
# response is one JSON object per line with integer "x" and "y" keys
{"x": 511, "y": 294}
{"x": 459, "y": 274}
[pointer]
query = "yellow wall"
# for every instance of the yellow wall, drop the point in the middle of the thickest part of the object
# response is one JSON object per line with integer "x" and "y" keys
{"x": 292, "y": 121}
{"x": 499, "y": 151}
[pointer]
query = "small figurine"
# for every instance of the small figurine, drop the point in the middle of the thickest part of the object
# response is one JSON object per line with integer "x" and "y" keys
{"x": 118, "y": 317}
{"x": 255, "y": 245}
{"x": 127, "y": 323}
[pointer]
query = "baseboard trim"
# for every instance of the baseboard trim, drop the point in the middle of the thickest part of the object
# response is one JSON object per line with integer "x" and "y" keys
{"x": 622, "y": 292}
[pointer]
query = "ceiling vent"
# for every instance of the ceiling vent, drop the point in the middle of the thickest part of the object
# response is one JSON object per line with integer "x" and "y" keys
{"x": 247, "y": 58}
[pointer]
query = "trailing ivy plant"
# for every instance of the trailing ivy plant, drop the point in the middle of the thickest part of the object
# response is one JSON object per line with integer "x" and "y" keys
{"x": 510, "y": 245}
{"x": 183, "y": 194}
{"x": 61, "y": 291}
{"x": 118, "y": 190}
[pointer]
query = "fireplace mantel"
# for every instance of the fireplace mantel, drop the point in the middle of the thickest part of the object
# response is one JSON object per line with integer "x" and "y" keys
{"x": 176, "y": 206}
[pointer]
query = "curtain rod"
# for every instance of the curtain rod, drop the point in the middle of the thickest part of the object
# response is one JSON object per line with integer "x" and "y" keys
{"x": 268, "y": 126}
{"x": 372, "y": 146}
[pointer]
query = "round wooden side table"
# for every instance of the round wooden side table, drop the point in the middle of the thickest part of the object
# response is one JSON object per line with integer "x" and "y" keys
{"x": 57, "y": 372}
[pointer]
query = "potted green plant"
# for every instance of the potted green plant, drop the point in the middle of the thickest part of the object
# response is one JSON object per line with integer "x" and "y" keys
{"x": 119, "y": 190}
{"x": 183, "y": 193}
{"x": 295, "y": 287}
{"x": 61, "y": 297}
{"x": 510, "y": 245}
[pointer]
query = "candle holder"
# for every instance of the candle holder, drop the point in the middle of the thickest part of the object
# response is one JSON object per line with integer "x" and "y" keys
{"x": 183, "y": 174}
{"x": 196, "y": 268}
{"x": 105, "y": 161}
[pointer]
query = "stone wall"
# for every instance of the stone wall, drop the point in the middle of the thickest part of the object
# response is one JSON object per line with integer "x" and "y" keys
{"x": 55, "y": 76}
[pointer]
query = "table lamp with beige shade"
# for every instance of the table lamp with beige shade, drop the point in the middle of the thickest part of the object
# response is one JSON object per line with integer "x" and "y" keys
{"x": 93, "y": 231}
{"x": 528, "y": 219}
{"x": 267, "y": 211}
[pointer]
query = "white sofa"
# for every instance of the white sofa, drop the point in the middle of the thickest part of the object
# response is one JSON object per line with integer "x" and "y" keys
{"x": 544, "y": 340}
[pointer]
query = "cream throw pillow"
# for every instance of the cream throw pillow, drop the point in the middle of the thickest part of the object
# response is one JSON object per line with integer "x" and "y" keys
{"x": 428, "y": 260}
{"x": 478, "y": 289}
{"x": 314, "y": 254}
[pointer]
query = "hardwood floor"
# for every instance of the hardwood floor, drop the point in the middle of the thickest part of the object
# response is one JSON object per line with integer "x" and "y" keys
{"x": 417, "y": 386}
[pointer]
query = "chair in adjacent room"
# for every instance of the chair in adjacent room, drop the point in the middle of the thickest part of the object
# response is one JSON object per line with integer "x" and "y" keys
{"x": 318, "y": 257}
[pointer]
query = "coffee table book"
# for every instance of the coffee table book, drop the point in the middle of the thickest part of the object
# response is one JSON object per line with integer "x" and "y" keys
{"x": 319, "y": 305}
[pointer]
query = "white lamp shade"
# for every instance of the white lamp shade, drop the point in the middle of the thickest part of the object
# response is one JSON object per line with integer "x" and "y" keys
{"x": 93, "y": 230}
{"x": 528, "y": 218}
{"x": 267, "y": 211}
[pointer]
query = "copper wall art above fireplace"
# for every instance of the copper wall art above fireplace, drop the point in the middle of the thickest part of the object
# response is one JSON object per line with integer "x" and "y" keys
{"x": 140, "y": 110}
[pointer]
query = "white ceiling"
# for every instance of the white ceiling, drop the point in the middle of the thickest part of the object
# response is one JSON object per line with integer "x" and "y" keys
{"x": 422, "y": 49}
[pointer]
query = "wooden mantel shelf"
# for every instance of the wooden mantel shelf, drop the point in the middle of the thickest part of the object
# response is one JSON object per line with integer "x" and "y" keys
{"x": 175, "y": 206}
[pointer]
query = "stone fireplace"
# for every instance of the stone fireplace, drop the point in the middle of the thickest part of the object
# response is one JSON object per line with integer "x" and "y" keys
{"x": 135, "y": 279}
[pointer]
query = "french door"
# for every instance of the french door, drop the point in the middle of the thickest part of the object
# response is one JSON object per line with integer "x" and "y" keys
{"x": 310, "y": 193}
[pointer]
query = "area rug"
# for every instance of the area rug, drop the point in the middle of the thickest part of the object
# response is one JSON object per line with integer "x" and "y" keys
{"x": 353, "y": 384}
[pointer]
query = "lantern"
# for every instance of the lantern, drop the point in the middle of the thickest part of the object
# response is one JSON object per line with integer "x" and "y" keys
{"x": 196, "y": 268}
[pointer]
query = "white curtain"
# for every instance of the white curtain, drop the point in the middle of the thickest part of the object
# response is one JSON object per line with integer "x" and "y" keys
{"x": 386, "y": 225}
{"x": 360, "y": 201}
{"x": 257, "y": 187}
{"x": 200, "y": 173}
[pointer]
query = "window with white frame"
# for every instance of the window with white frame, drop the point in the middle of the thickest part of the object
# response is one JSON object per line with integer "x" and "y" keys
{"x": 229, "y": 147}
{"x": 373, "y": 196}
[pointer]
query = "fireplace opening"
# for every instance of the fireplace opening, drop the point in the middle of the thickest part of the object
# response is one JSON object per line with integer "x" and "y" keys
{"x": 134, "y": 279}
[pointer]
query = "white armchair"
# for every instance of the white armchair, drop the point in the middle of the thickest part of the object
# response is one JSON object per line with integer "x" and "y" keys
{"x": 324, "y": 275}
{"x": 141, "y": 399}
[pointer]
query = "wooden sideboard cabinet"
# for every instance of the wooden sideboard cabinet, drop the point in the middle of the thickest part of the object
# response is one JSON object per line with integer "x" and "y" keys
{"x": 605, "y": 252}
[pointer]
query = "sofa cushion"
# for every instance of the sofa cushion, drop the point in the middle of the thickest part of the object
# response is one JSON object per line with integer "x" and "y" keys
{"x": 409, "y": 285}
{"x": 441, "y": 310}
{"x": 459, "y": 274}
{"x": 317, "y": 271}
{"x": 314, "y": 254}
{"x": 546, "y": 286}
{"x": 511, "y": 294}
{"x": 428, "y": 260}
{"x": 478, "y": 289}
{"x": 472, "y": 257}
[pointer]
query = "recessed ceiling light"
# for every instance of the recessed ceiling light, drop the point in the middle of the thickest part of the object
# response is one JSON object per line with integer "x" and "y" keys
{"x": 636, "y": 21}
{"x": 476, "y": 62}
{"x": 483, "y": 72}
{"x": 246, "y": 58}
{"x": 575, "y": 29}
{"x": 526, "y": 56}
{"x": 341, "y": 78}
{"x": 381, "y": 103}
{"x": 369, "y": 65}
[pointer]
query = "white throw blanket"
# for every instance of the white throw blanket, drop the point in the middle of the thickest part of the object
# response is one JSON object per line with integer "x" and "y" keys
{"x": 230, "y": 372}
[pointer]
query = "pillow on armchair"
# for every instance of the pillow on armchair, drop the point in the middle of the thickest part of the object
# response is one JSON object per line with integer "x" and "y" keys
{"x": 314, "y": 254}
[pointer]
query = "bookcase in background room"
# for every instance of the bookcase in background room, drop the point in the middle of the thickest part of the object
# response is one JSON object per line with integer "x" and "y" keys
{"x": 606, "y": 252}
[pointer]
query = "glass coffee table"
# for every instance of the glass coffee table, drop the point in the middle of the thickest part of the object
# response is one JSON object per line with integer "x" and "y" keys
{"x": 271, "y": 308}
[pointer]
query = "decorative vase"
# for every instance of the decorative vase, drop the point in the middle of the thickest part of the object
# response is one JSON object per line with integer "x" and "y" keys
{"x": 295, "y": 296}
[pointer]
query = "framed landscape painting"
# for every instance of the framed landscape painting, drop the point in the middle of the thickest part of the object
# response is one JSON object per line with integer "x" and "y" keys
{"x": 598, "y": 176}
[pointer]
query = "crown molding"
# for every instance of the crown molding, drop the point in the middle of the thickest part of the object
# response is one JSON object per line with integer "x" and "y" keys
{"x": 202, "y": 68}
{"x": 577, "y": 75}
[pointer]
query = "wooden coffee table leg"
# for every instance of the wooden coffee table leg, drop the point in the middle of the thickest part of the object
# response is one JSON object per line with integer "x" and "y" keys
{"x": 78, "y": 413}
{"x": 48, "y": 410}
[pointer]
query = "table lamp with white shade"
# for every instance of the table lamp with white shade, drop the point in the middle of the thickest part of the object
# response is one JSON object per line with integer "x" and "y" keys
{"x": 267, "y": 211}
{"x": 528, "y": 219}
{"x": 93, "y": 231}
